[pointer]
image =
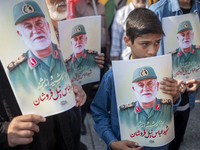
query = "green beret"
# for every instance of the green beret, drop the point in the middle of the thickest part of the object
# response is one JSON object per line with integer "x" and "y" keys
{"x": 78, "y": 29}
{"x": 26, "y": 9}
{"x": 145, "y": 72}
{"x": 185, "y": 25}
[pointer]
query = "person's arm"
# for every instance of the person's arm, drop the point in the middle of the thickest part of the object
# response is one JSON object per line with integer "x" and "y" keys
{"x": 117, "y": 37}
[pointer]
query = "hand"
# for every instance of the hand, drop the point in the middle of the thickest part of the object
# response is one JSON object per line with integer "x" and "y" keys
{"x": 80, "y": 95}
{"x": 192, "y": 85}
{"x": 182, "y": 87}
{"x": 22, "y": 128}
{"x": 171, "y": 87}
{"x": 100, "y": 60}
{"x": 124, "y": 145}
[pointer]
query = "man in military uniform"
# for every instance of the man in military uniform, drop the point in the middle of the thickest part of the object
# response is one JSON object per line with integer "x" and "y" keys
{"x": 185, "y": 59}
{"x": 148, "y": 112}
{"x": 41, "y": 70}
{"x": 82, "y": 62}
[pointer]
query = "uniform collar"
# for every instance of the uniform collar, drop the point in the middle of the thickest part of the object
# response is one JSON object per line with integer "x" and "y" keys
{"x": 33, "y": 61}
{"x": 84, "y": 55}
{"x": 180, "y": 53}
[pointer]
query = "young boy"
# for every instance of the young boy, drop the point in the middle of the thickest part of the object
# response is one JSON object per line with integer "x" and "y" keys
{"x": 143, "y": 35}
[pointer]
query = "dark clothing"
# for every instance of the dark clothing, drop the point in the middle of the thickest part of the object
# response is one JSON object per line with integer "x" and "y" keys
{"x": 55, "y": 133}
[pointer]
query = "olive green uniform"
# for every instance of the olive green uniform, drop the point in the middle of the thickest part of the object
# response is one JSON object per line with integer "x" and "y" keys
{"x": 81, "y": 67}
{"x": 136, "y": 117}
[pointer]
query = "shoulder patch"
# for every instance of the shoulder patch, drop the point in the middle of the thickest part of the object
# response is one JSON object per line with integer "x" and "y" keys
{"x": 174, "y": 51}
{"x": 17, "y": 62}
{"x": 92, "y": 52}
{"x": 197, "y": 46}
{"x": 70, "y": 57}
{"x": 126, "y": 106}
{"x": 166, "y": 101}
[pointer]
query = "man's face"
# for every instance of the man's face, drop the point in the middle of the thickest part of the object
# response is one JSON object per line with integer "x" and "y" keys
{"x": 35, "y": 33}
{"x": 78, "y": 43}
{"x": 185, "y": 38}
{"x": 57, "y": 9}
{"x": 146, "y": 45}
{"x": 145, "y": 90}
{"x": 139, "y": 3}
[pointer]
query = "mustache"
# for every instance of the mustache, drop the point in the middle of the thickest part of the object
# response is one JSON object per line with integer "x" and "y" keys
{"x": 61, "y": 3}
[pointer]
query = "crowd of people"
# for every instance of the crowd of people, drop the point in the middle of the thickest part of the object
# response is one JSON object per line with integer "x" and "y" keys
{"x": 125, "y": 23}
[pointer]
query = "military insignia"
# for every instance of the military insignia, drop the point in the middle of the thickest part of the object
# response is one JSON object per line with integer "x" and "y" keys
{"x": 185, "y": 25}
{"x": 78, "y": 29}
{"x": 84, "y": 55}
{"x": 175, "y": 51}
{"x": 18, "y": 61}
{"x": 157, "y": 107}
{"x": 166, "y": 101}
{"x": 56, "y": 54}
{"x": 144, "y": 72}
{"x": 123, "y": 107}
{"x": 192, "y": 51}
{"x": 92, "y": 52}
{"x": 137, "y": 109}
{"x": 179, "y": 53}
{"x": 32, "y": 61}
{"x": 73, "y": 59}
{"x": 27, "y": 8}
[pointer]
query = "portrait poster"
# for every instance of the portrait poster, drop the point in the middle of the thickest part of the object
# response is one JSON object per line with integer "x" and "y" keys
{"x": 80, "y": 42}
{"x": 40, "y": 82}
{"x": 145, "y": 112}
{"x": 182, "y": 40}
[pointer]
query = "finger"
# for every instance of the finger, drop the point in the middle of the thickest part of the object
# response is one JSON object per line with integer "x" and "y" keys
{"x": 31, "y": 118}
{"x": 100, "y": 66}
{"x": 25, "y": 133}
{"x": 101, "y": 55}
{"x": 139, "y": 148}
{"x": 191, "y": 88}
{"x": 169, "y": 80}
{"x": 191, "y": 81}
{"x": 22, "y": 141}
{"x": 131, "y": 143}
{"x": 84, "y": 100}
{"x": 100, "y": 62}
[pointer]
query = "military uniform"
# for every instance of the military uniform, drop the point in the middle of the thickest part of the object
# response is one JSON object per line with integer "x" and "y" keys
{"x": 134, "y": 116}
{"x": 185, "y": 64}
{"x": 84, "y": 64}
{"x": 82, "y": 69}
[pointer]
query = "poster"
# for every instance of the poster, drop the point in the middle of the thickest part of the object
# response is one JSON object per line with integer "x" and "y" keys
{"x": 33, "y": 63}
{"x": 80, "y": 42}
{"x": 182, "y": 40}
{"x": 145, "y": 113}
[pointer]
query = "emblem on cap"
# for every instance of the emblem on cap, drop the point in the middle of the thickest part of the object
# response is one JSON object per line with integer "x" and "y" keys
{"x": 185, "y": 25}
{"x": 78, "y": 29}
{"x": 144, "y": 72}
{"x": 27, "y": 8}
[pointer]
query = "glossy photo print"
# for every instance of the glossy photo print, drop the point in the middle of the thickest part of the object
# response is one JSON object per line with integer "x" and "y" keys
{"x": 145, "y": 112}
{"x": 80, "y": 41}
{"x": 31, "y": 58}
{"x": 182, "y": 40}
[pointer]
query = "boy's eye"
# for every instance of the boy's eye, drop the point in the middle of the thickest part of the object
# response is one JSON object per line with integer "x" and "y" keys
{"x": 144, "y": 44}
{"x": 157, "y": 43}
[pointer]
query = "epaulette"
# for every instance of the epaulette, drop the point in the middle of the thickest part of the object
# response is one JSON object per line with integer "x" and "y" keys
{"x": 92, "y": 52}
{"x": 17, "y": 62}
{"x": 70, "y": 57}
{"x": 124, "y": 107}
{"x": 197, "y": 46}
{"x": 166, "y": 101}
{"x": 174, "y": 51}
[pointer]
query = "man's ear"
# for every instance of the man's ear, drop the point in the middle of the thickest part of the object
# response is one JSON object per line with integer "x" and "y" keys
{"x": 127, "y": 41}
{"x": 133, "y": 88}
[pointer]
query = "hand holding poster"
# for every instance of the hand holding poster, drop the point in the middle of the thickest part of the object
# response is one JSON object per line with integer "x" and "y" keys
{"x": 80, "y": 44}
{"x": 145, "y": 112}
{"x": 38, "y": 76}
{"x": 183, "y": 41}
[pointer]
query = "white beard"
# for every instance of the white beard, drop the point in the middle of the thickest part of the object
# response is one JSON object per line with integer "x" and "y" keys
{"x": 54, "y": 14}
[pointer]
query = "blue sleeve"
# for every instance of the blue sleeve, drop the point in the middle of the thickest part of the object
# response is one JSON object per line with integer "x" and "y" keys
{"x": 101, "y": 108}
{"x": 176, "y": 104}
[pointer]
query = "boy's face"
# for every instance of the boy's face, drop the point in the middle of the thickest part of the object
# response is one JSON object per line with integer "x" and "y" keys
{"x": 146, "y": 45}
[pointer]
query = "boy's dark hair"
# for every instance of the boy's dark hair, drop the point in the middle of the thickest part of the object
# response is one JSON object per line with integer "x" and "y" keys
{"x": 142, "y": 21}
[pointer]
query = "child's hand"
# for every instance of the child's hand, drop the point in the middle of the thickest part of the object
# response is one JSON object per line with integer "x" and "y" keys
{"x": 171, "y": 87}
{"x": 124, "y": 145}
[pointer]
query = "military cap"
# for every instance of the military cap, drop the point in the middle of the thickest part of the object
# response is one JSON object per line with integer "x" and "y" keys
{"x": 145, "y": 72}
{"x": 185, "y": 25}
{"x": 78, "y": 29}
{"x": 26, "y": 9}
